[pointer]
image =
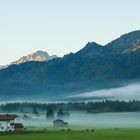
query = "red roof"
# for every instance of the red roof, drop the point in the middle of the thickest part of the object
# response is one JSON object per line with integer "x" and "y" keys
{"x": 7, "y": 117}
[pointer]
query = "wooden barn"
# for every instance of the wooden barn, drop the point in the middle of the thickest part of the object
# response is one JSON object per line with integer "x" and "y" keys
{"x": 60, "y": 123}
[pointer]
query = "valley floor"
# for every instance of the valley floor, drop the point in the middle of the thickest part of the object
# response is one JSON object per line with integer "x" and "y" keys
{"x": 107, "y": 134}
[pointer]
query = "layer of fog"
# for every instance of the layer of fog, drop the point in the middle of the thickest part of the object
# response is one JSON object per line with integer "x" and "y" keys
{"x": 82, "y": 120}
{"x": 128, "y": 92}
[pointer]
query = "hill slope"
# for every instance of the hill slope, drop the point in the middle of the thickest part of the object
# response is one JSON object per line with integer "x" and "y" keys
{"x": 93, "y": 67}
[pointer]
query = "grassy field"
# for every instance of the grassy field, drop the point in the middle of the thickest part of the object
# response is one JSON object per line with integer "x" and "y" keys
{"x": 108, "y": 134}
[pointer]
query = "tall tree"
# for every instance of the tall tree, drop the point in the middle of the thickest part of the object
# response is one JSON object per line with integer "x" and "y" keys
{"x": 50, "y": 112}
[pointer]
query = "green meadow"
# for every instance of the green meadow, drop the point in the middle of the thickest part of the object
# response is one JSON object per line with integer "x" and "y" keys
{"x": 106, "y": 134}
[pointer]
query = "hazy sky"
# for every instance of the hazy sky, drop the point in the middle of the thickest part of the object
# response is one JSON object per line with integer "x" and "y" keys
{"x": 62, "y": 26}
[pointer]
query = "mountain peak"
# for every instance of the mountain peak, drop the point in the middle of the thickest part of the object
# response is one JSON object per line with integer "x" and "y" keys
{"x": 92, "y": 49}
{"x": 39, "y": 56}
{"x": 91, "y": 45}
{"x": 36, "y": 56}
{"x": 40, "y": 52}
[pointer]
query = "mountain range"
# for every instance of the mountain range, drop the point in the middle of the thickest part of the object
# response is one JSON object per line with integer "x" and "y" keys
{"x": 38, "y": 56}
{"x": 91, "y": 68}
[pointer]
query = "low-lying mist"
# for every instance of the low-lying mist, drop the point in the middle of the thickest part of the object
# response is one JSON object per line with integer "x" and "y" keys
{"x": 128, "y": 92}
{"x": 83, "y": 120}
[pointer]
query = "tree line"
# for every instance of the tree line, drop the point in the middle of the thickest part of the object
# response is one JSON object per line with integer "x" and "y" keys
{"x": 90, "y": 107}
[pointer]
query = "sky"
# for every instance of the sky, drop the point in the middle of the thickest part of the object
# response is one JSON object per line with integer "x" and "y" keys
{"x": 62, "y": 26}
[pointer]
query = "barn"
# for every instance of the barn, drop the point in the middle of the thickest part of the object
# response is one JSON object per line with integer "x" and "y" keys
{"x": 60, "y": 123}
{"x": 19, "y": 127}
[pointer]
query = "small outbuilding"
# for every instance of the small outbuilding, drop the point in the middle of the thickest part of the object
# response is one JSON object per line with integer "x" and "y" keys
{"x": 19, "y": 127}
{"x": 59, "y": 123}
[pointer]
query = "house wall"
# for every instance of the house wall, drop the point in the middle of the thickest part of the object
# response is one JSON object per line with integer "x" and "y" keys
{"x": 5, "y": 126}
{"x": 19, "y": 129}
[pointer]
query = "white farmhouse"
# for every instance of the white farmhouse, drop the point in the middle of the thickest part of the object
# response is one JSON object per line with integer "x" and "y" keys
{"x": 7, "y": 123}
